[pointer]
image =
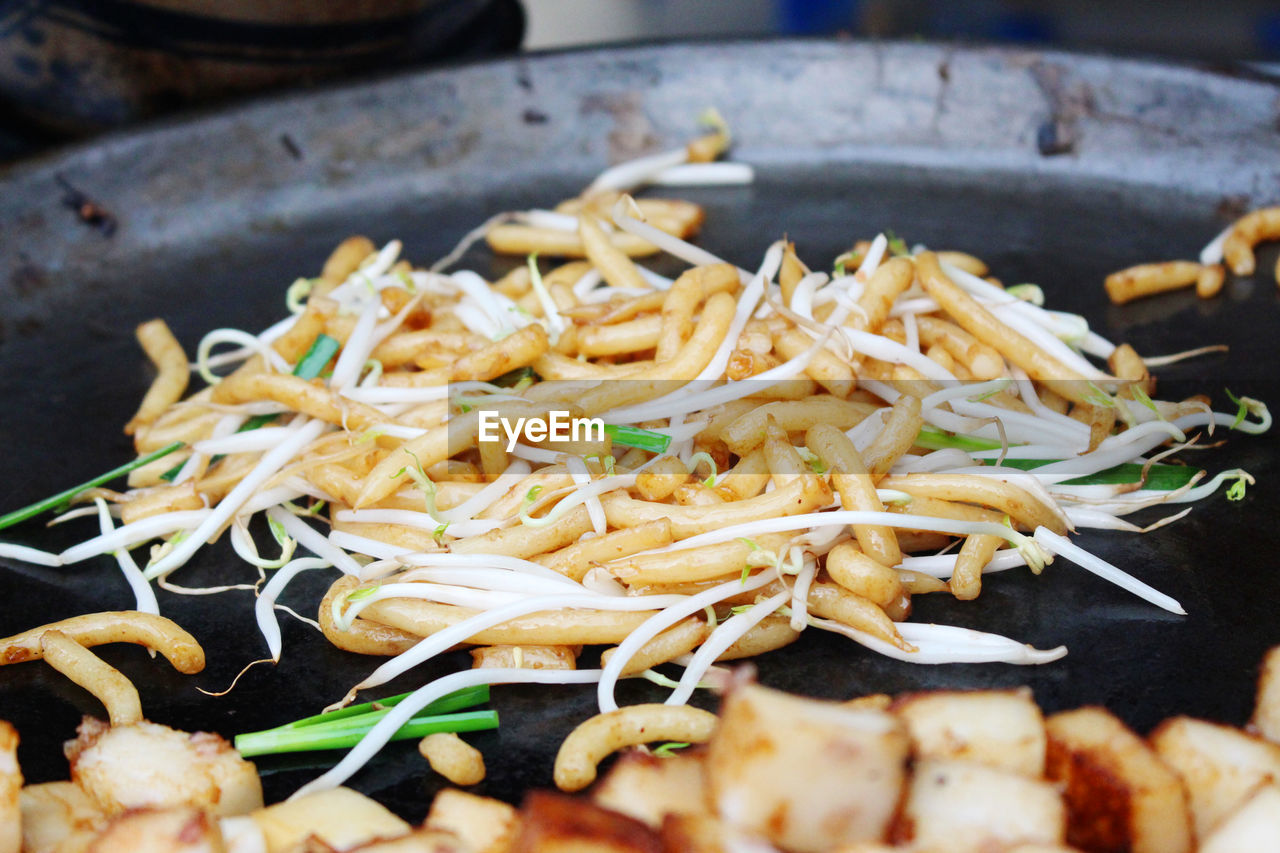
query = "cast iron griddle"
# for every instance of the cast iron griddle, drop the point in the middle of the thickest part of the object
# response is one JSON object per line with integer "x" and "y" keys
{"x": 1056, "y": 169}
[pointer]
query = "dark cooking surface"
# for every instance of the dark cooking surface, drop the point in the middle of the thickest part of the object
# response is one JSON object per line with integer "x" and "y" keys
{"x": 216, "y": 218}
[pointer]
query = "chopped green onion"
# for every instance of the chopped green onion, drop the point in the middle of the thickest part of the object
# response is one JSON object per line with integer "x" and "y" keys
{"x": 746, "y": 571}
{"x": 61, "y": 499}
{"x": 667, "y": 750}
{"x": 347, "y": 733}
{"x": 935, "y": 439}
{"x": 645, "y": 439}
{"x": 322, "y": 349}
{"x": 703, "y": 456}
{"x": 750, "y": 543}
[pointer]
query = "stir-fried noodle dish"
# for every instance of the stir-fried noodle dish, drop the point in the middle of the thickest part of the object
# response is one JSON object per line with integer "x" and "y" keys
{"x": 585, "y": 460}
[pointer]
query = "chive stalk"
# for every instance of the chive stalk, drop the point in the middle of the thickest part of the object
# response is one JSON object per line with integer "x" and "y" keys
{"x": 347, "y": 733}
{"x": 935, "y": 439}
{"x": 1159, "y": 477}
{"x": 322, "y": 349}
{"x": 345, "y": 727}
{"x": 645, "y": 439}
{"x": 61, "y": 499}
{"x": 456, "y": 701}
{"x": 308, "y": 367}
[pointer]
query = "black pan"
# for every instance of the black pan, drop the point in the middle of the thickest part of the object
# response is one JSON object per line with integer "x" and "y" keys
{"x": 1055, "y": 168}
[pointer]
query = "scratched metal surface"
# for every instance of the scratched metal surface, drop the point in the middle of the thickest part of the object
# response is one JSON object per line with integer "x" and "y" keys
{"x": 1055, "y": 168}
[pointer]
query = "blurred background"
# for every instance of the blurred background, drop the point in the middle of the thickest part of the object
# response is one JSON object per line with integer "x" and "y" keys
{"x": 1224, "y": 31}
{"x": 73, "y": 68}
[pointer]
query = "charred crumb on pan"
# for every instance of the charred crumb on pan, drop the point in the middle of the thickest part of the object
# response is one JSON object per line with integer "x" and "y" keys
{"x": 291, "y": 145}
{"x": 87, "y": 210}
{"x": 532, "y": 116}
{"x": 522, "y": 79}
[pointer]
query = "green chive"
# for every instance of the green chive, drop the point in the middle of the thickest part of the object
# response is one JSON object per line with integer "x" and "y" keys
{"x": 61, "y": 499}
{"x": 654, "y": 442}
{"x": 308, "y": 367}
{"x": 276, "y": 741}
{"x": 1159, "y": 477}
{"x": 343, "y": 728}
{"x": 935, "y": 439}
{"x": 456, "y": 701}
